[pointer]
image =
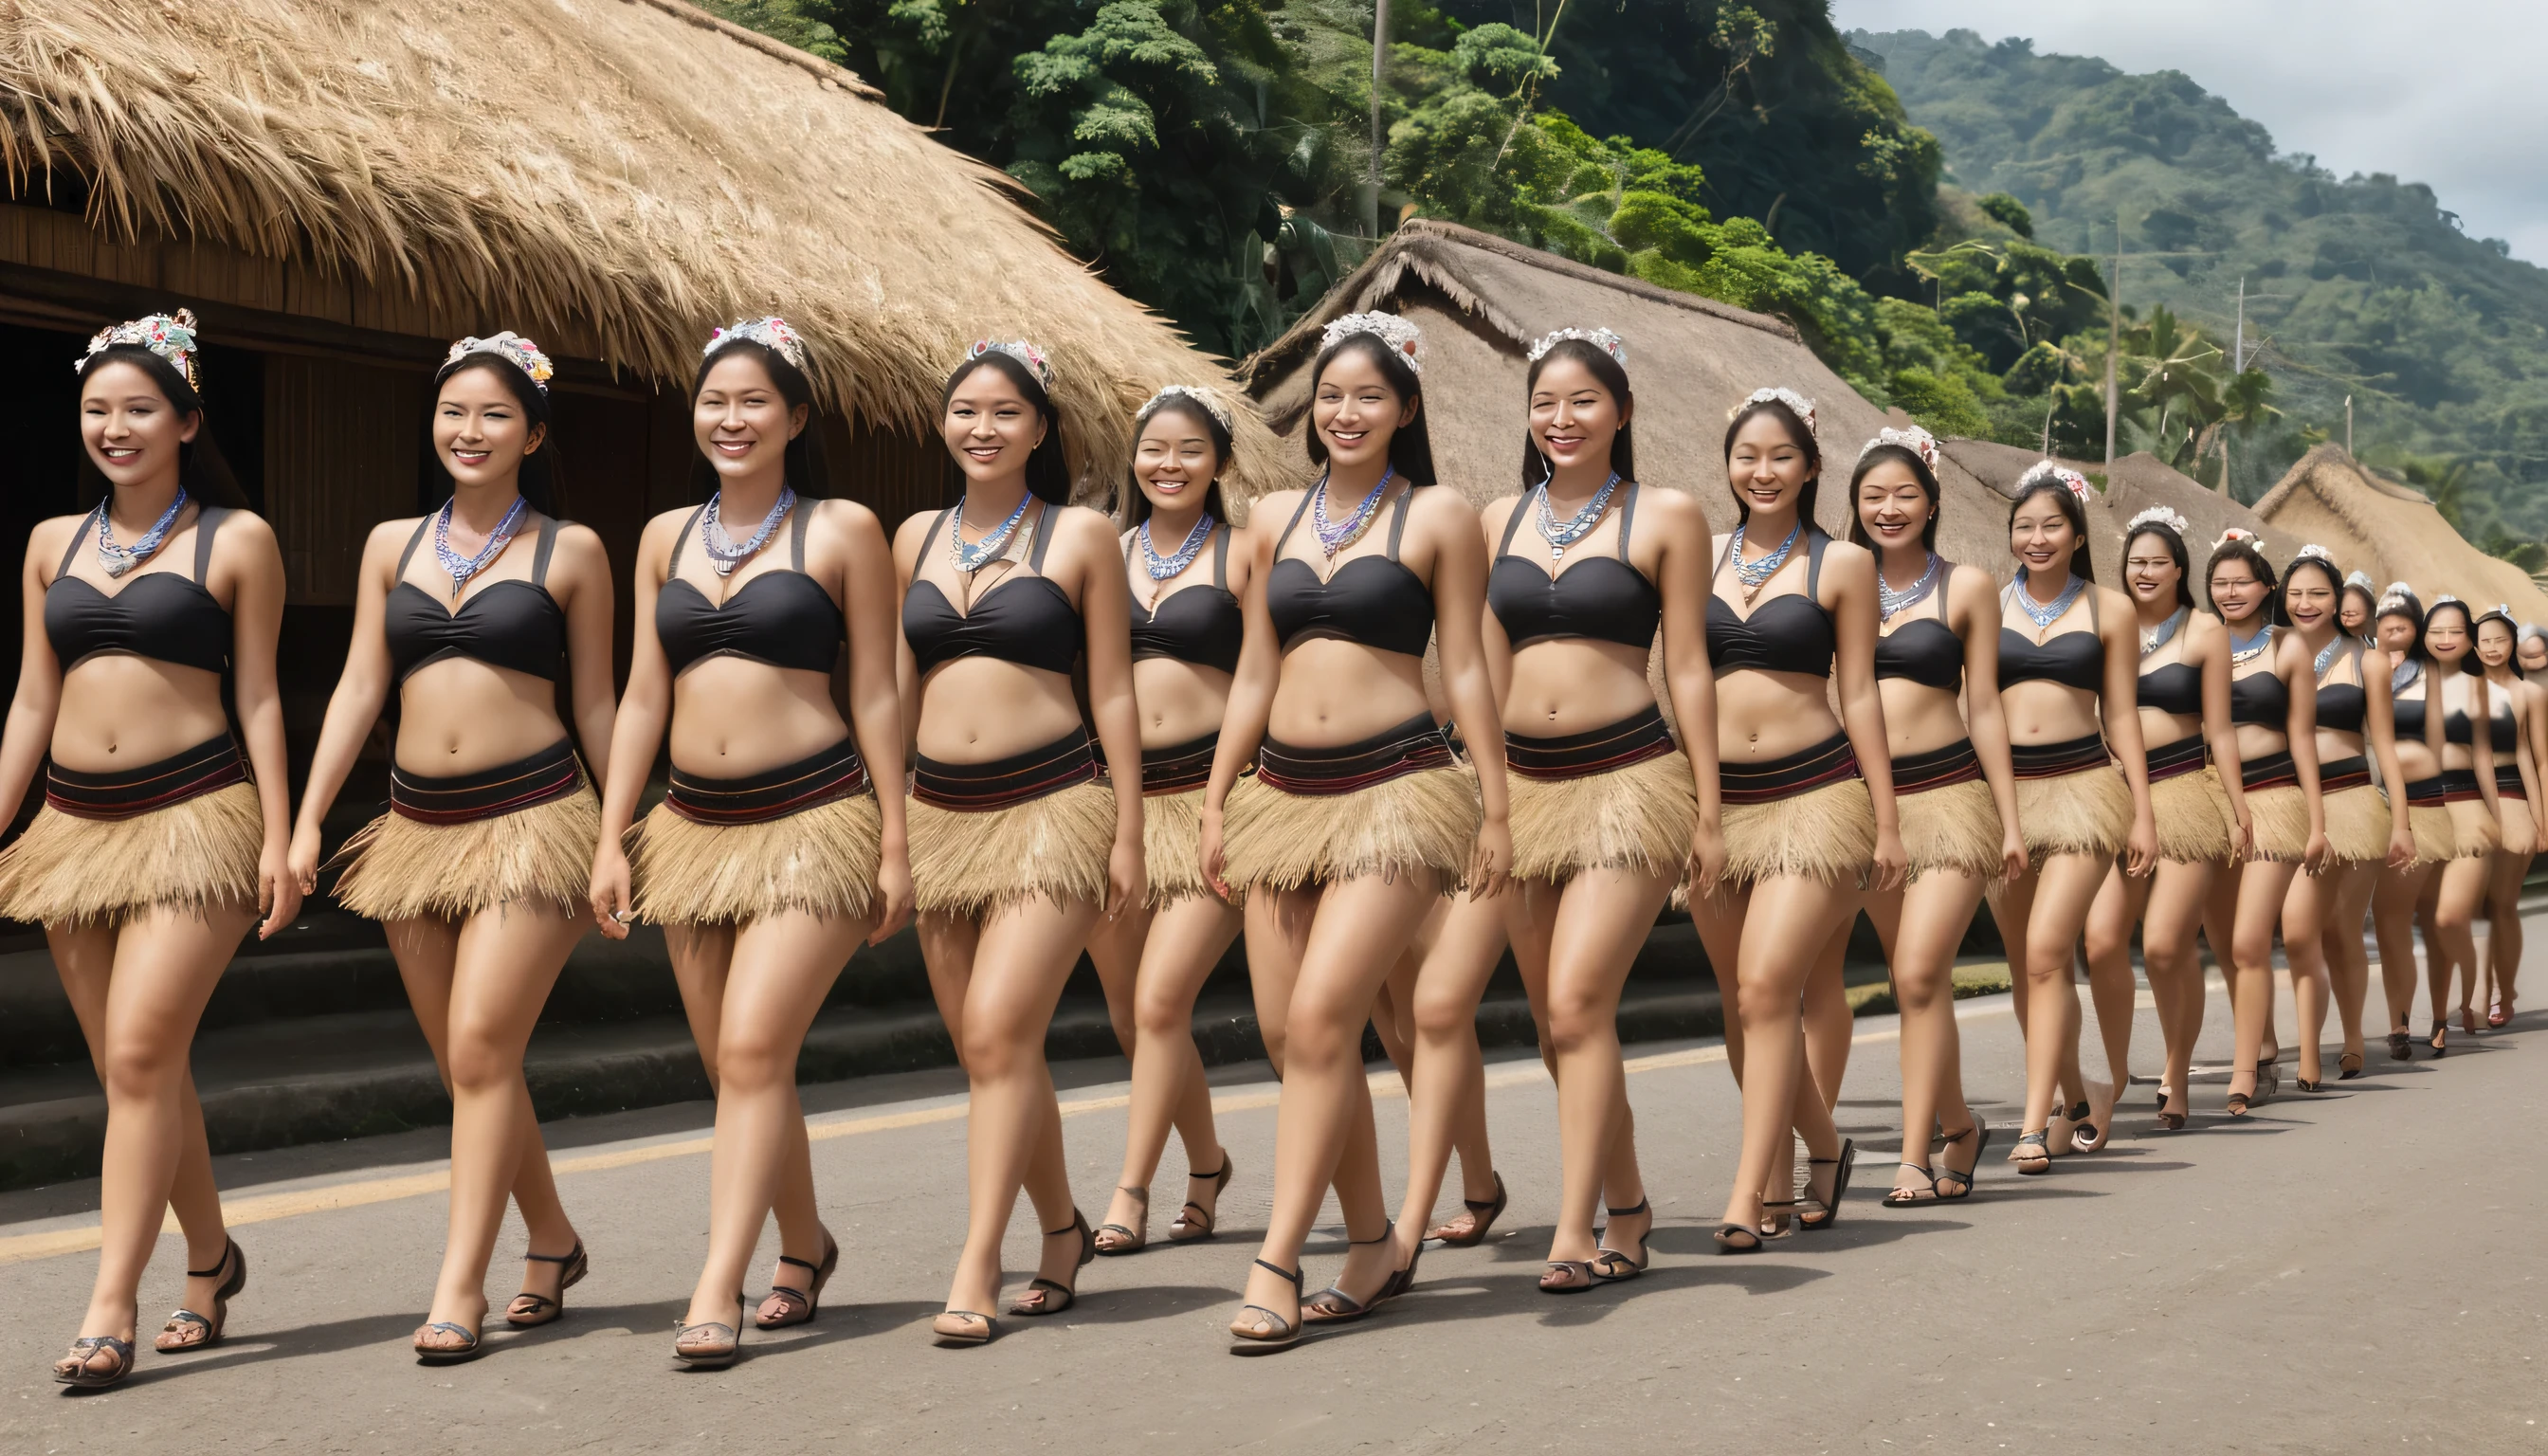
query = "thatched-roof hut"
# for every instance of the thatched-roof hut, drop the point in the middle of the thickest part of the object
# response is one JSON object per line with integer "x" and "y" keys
{"x": 2137, "y": 482}
{"x": 2393, "y": 532}
{"x": 340, "y": 187}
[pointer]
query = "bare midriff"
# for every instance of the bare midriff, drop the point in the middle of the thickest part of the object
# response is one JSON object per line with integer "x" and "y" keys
{"x": 119, "y": 711}
{"x": 460, "y": 716}
{"x": 733, "y": 717}
{"x": 1565, "y": 686}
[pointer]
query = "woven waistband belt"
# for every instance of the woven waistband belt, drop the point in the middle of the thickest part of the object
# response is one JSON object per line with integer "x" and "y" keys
{"x": 551, "y": 774}
{"x": 1631, "y": 740}
{"x": 2352, "y": 773}
{"x": 1409, "y": 748}
{"x": 2459, "y": 786}
{"x": 2179, "y": 758}
{"x": 1001, "y": 784}
{"x": 2059, "y": 760}
{"x": 2429, "y": 793}
{"x": 2277, "y": 771}
{"x": 1179, "y": 767}
{"x": 835, "y": 773}
{"x": 211, "y": 765}
{"x": 1826, "y": 763}
{"x": 2508, "y": 781}
{"x": 1937, "y": 768}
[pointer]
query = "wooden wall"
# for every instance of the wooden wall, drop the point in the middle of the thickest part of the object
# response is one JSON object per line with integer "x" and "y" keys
{"x": 341, "y": 448}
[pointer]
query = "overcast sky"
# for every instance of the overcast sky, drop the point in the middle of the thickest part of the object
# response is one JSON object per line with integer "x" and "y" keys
{"x": 2448, "y": 95}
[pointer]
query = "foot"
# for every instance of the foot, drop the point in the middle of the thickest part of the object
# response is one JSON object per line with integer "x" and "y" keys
{"x": 1201, "y": 1215}
{"x": 2241, "y": 1097}
{"x": 1127, "y": 1222}
{"x": 2468, "y": 1018}
{"x": 1912, "y": 1183}
{"x": 96, "y": 1360}
{"x": 438, "y": 1336}
{"x": 1269, "y": 1294}
{"x": 2441, "y": 1037}
{"x": 2033, "y": 1154}
{"x": 2401, "y": 1045}
{"x": 2173, "y": 1109}
{"x": 1367, "y": 1271}
{"x": 1623, "y": 1236}
{"x": 2348, "y": 1064}
{"x": 2061, "y": 1134}
{"x": 2500, "y": 1013}
{"x": 1476, "y": 1216}
{"x": 544, "y": 1282}
{"x": 204, "y": 1294}
{"x": 2091, "y": 1136}
{"x": 1960, "y": 1159}
{"x": 1057, "y": 1283}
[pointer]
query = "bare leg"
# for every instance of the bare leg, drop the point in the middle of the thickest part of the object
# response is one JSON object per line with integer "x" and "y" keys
{"x": 2308, "y": 907}
{"x": 2063, "y": 891}
{"x": 2262, "y": 887}
{"x": 1769, "y": 931}
{"x": 2455, "y": 910}
{"x": 1531, "y": 921}
{"x": 1185, "y": 941}
{"x": 1449, "y": 1084}
{"x": 2111, "y": 917}
{"x": 2503, "y": 930}
{"x": 2393, "y": 924}
{"x": 2171, "y": 917}
{"x": 1921, "y": 926}
{"x": 1827, "y": 1014}
{"x": 2348, "y": 966}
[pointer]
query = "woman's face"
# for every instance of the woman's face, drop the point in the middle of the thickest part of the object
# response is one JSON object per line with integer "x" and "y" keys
{"x": 130, "y": 429}
{"x": 479, "y": 432}
{"x": 2355, "y": 614}
{"x": 1767, "y": 467}
{"x": 2308, "y": 600}
{"x": 2534, "y": 655}
{"x": 2396, "y": 635}
{"x": 1572, "y": 417}
{"x": 2494, "y": 643}
{"x": 742, "y": 421}
{"x": 2040, "y": 536}
{"x": 1893, "y": 507}
{"x": 1357, "y": 411}
{"x": 1174, "y": 460}
{"x": 2237, "y": 593}
{"x": 2446, "y": 636}
{"x": 2150, "y": 572}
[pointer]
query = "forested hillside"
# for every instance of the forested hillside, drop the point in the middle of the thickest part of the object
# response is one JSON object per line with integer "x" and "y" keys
{"x": 2360, "y": 284}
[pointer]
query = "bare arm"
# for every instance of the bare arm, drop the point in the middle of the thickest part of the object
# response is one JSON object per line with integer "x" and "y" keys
{"x": 1251, "y": 691}
{"x": 1106, "y": 616}
{"x": 866, "y": 588}
{"x": 2122, "y": 711}
{"x": 589, "y": 628}
{"x": 29, "y": 734}
{"x": 256, "y": 616}
{"x": 1459, "y": 602}
{"x": 1688, "y": 677}
{"x": 2218, "y": 730}
{"x": 2299, "y": 680}
{"x": 1985, "y": 716}
{"x": 1851, "y": 574}
{"x": 362, "y": 688}
{"x": 2530, "y": 703}
{"x": 1491, "y": 632}
{"x": 2482, "y": 743}
{"x": 644, "y": 711}
{"x": 906, "y": 668}
{"x": 2379, "y": 728}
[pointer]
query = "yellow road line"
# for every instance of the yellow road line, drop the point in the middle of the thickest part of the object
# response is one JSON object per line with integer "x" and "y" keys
{"x": 298, "y": 1203}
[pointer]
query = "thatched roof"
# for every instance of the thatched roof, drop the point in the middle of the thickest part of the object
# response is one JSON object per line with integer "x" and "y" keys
{"x": 612, "y": 178}
{"x": 1482, "y": 300}
{"x": 2393, "y": 532}
{"x": 2137, "y": 482}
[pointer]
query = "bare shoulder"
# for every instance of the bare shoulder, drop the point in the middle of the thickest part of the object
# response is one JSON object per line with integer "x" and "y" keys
{"x": 1854, "y": 562}
{"x": 51, "y": 538}
{"x": 1495, "y": 514}
{"x": 1085, "y": 526}
{"x": 1673, "y": 510}
{"x": 1442, "y": 508}
{"x": 246, "y": 527}
{"x": 2115, "y": 607}
{"x": 839, "y": 512}
{"x": 579, "y": 544}
{"x": 907, "y": 536}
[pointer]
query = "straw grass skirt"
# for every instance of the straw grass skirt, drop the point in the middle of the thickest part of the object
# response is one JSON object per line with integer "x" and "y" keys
{"x": 196, "y": 854}
{"x": 2194, "y": 821}
{"x": 968, "y": 863}
{"x": 2357, "y": 825}
{"x": 2089, "y": 812}
{"x": 2280, "y": 815}
{"x": 821, "y": 860}
{"x": 1954, "y": 827}
{"x": 1827, "y": 834}
{"x": 401, "y": 869}
{"x": 2436, "y": 840}
{"x": 1172, "y": 845}
{"x": 1639, "y": 817}
{"x": 1424, "y": 820}
{"x": 2475, "y": 833}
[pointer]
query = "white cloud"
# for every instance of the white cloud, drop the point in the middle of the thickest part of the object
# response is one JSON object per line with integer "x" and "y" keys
{"x": 2452, "y": 99}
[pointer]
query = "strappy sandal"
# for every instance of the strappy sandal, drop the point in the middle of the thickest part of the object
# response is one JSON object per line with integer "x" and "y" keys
{"x": 1610, "y": 1266}
{"x": 2036, "y": 1162}
{"x": 1204, "y": 1222}
{"x": 1754, "y": 1239}
{"x": 2348, "y": 1066}
{"x": 2498, "y": 1013}
{"x": 1332, "y": 1305}
{"x": 530, "y": 1311}
{"x": 1575, "y": 1270}
{"x": 73, "y": 1369}
{"x": 963, "y": 1336}
{"x": 1898, "y": 1199}
{"x": 710, "y": 1354}
{"x": 234, "y": 1259}
{"x": 1963, "y": 1176}
{"x": 1847, "y": 1162}
{"x": 2401, "y": 1045}
{"x": 1285, "y": 1332}
{"x": 1482, "y": 1216}
{"x": 460, "y": 1354}
{"x": 1128, "y": 1241}
{"x": 1068, "y": 1293}
{"x": 801, "y": 1306}
{"x": 2440, "y": 1041}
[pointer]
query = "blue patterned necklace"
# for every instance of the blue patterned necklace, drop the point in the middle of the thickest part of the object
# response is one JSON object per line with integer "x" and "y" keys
{"x": 462, "y": 568}
{"x": 1574, "y": 528}
{"x": 120, "y": 559}
{"x": 2045, "y": 616}
{"x": 1164, "y": 568}
{"x": 1754, "y": 575}
{"x": 723, "y": 555}
{"x": 2245, "y": 650}
{"x": 1335, "y": 537}
{"x": 972, "y": 559}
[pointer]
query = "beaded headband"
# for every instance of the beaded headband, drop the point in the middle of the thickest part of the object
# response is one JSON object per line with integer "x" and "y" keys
{"x": 171, "y": 336}
{"x": 1604, "y": 339}
{"x": 1914, "y": 439}
{"x": 2045, "y": 470}
{"x": 1207, "y": 399}
{"x": 510, "y": 348}
{"x": 1401, "y": 337}
{"x": 2157, "y": 516}
{"x": 1031, "y": 356}
{"x": 1797, "y": 405}
{"x": 772, "y": 333}
{"x": 2239, "y": 536}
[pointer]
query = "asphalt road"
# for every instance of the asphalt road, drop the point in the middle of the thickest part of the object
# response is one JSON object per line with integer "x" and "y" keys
{"x": 2358, "y": 1270}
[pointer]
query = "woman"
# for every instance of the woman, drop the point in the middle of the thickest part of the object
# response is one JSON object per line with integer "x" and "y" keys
{"x": 143, "y": 888}
{"x": 2401, "y": 889}
{"x": 772, "y": 857}
{"x": 2068, "y": 669}
{"x": 2359, "y": 606}
{"x": 1186, "y": 626}
{"x": 1016, "y": 848}
{"x": 2197, "y": 803}
{"x": 2273, "y": 706}
{"x": 478, "y": 870}
{"x": 2322, "y": 912}
{"x": 1357, "y": 819}
{"x": 2534, "y": 654}
{"x": 1608, "y": 811}
{"x": 1809, "y": 812}
{"x": 2517, "y": 788}
{"x": 1937, "y": 669}
{"x": 2469, "y": 760}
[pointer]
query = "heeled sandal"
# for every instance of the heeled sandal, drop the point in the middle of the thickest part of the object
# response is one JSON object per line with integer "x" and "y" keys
{"x": 530, "y": 1311}
{"x": 73, "y": 1369}
{"x": 709, "y": 1354}
{"x": 1754, "y": 1237}
{"x": 1482, "y": 1217}
{"x": 234, "y": 1259}
{"x": 801, "y": 1306}
{"x": 459, "y": 1354}
{"x": 1609, "y": 1266}
{"x": 1131, "y": 1240}
{"x": 1049, "y": 1288}
{"x": 1332, "y": 1305}
{"x": 2039, "y": 1162}
{"x": 1285, "y": 1332}
{"x": 1847, "y": 1162}
{"x": 1205, "y": 1222}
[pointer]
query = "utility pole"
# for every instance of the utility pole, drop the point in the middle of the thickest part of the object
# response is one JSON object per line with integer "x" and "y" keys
{"x": 2113, "y": 340}
{"x": 1379, "y": 137}
{"x": 2348, "y": 425}
{"x": 2237, "y": 365}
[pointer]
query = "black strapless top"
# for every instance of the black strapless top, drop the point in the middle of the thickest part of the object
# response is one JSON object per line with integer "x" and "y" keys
{"x": 2502, "y": 734}
{"x": 1603, "y": 599}
{"x": 2071, "y": 659}
{"x": 784, "y": 618}
{"x": 1371, "y": 600}
{"x": 1788, "y": 633}
{"x": 1028, "y": 620}
{"x": 165, "y": 617}
{"x": 1202, "y": 625}
{"x": 1924, "y": 650}
{"x": 522, "y": 628}
{"x": 2261, "y": 700}
{"x": 2176, "y": 689}
{"x": 2407, "y": 717}
{"x": 2341, "y": 707}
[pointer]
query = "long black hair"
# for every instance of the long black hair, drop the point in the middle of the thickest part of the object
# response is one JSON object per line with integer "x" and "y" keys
{"x": 1410, "y": 447}
{"x": 2412, "y": 611}
{"x": 538, "y": 480}
{"x": 2244, "y": 550}
{"x": 2468, "y": 624}
{"x": 2169, "y": 538}
{"x": 807, "y": 471}
{"x": 1137, "y": 503}
{"x": 2082, "y": 564}
{"x": 1803, "y": 438}
{"x": 2334, "y": 579}
{"x": 1928, "y": 479}
{"x": 1612, "y": 377}
{"x": 1048, "y": 464}
{"x": 201, "y": 470}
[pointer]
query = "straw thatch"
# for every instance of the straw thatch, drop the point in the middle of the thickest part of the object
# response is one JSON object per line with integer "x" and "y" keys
{"x": 2393, "y": 532}
{"x": 612, "y": 178}
{"x": 2137, "y": 482}
{"x": 1482, "y": 300}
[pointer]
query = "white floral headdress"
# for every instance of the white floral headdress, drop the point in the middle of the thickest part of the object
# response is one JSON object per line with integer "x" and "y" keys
{"x": 1797, "y": 405}
{"x": 1606, "y": 340}
{"x": 1023, "y": 351}
{"x": 1209, "y": 399}
{"x": 513, "y": 349}
{"x": 772, "y": 333}
{"x": 171, "y": 336}
{"x": 2157, "y": 516}
{"x": 1913, "y": 438}
{"x": 2045, "y": 470}
{"x": 1401, "y": 337}
{"x": 2313, "y": 551}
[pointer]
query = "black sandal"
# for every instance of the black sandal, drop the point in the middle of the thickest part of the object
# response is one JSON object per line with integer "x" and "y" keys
{"x": 1332, "y": 1305}
{"x": 1610, "y": 1266}
{"x": 73, "y": 1369}
{"x": 2348, "y": 1066}
{"x": 1847, "y": 1162}
{"x": 2402, "y": 1046}
{"x": 1134, "y": 1240}
{"x": 530, "y": 1311}
{"x": 1482, "y": 1217}
{"x": 1204, "y": 1221}
{"x": 801, "y": 1306}
{"x": 1287, "y": 1332}
{"x": 1897, "y": 1199}
{"x": 2039, "y": 1163}
{"x": 1964, "y": 1175}
{"x": 1579, "y": 1268}
{"x": 2440, "y": 1041}
{"x": 234, "y": 1259}
{"x": 1048, "y": 1287}
{"x": 1726, "y": 1233}
{"x": 711, "y": 1356}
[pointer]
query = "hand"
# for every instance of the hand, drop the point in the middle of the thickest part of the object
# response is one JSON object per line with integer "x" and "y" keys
{"x": 2402, "y": 848}
{"x": 893, "y": 887}
{"x": 1128, "y": 879}
{"x": 2313, "y": 858}
{"x": 300, "y": 861}
{"x": 2140, "y": 846}
{"x": 1707, "y": 859}
{"x": 1215, "y": 862}
{"x": 1491, "y": 861}
{"x": 1886, "y": 872}
{"x": 610, "y": 894}
{"x": 278, "y": 892}
{"x": 2013, "y": 859}
{"x": 2242, "y": 843}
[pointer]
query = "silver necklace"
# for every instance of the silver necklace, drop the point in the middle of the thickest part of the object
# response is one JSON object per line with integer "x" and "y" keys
{"x": 1334, "y": 537}
{"x": 1754, "y": 574}
{"x": 723, "y": 555}
{"x": 2327, "y": 656}
{"x": 1161, "y": 568}
{"x": 120, "y": 559}
{"x": 2251, "y": 647}
{"x": 2046, "y": 616}
{"x": 462, "y": 568}
{"x": 1890, "y": 603}
{"x": 2159, "y": 636}
{"x": 972, "y": 559}
{"x": 1575, "y": 527}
